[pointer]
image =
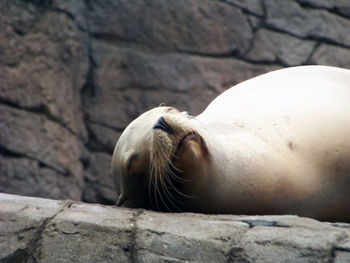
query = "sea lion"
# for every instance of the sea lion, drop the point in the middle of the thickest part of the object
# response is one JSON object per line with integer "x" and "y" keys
{"x": 275, "y": 144}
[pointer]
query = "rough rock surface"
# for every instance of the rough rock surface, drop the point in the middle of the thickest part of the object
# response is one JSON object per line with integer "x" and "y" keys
{"x": 43, "y": 230}
{"x": 75, "y": 73}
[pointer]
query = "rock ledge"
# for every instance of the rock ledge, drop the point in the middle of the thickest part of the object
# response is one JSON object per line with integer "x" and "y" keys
{"x": 43, "y": 230}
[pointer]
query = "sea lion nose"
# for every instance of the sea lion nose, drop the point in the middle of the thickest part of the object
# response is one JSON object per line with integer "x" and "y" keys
{"x": 162, "y": 125}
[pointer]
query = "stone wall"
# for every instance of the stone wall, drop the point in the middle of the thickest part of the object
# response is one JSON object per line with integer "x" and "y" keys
{"x": 42, "y": 230}
{"x": 74, "y": 73}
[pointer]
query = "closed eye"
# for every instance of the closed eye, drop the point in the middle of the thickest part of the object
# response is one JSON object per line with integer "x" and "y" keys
{"x": 130, "y": 160}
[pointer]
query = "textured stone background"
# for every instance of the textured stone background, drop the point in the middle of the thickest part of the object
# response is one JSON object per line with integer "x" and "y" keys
{"x": 74, "y": 73}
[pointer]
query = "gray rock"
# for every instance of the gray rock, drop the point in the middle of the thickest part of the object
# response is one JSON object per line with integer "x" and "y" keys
{"x": 332, "y": 55}
{"x": 288, "y": 16}
{"x": 22, "y": 221}
{"x": 33, "y": 136}
{"x": 102, "y": 137}
{"x": 83, "y": 233}
{"x": 206, "y": 27}
{"x": 42, "y": 230}
{"x": 99, "y": 184}
{"x": 38, "y": 230}
{"x": 328, "y": 4}
{"x": 269, "y": 46}
{"x": 252, "y": 6}
{"x": 43, "y": 68}
{"x": 192, "y": 238}
{"x": 44, "y": 63}
{"x": 342, "y": 257}
{"x": 255, "y": 22}
{"x": 30, "y": 177}
{"x": 340, "y": 6}
{"x": 262, "y": 244}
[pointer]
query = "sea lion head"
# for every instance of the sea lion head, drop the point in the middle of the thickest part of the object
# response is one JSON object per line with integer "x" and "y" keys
{"x": 156, "y": 159}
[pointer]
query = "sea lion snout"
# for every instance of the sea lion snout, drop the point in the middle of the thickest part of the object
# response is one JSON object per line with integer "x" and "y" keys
{"x": 163, "y": 125}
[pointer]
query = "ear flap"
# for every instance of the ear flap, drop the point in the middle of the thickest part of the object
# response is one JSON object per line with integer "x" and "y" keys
{"x": 195, "y": 149}
{"x": 192, "y": 147}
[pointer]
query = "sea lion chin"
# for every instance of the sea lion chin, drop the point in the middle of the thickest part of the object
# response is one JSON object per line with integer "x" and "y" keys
{"x": 275, "y": 144}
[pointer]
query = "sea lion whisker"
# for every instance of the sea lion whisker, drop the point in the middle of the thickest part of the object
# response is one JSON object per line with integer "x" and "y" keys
{"x": 160, "y": 164}
{"x": 168, "y": 177}
{"x": 174, "y": 175}
{"x": 161, "y": 196}
{"x": 168, "y": 165}
{"x": 174, "y": 187}
{"x": 156, "y": 188}
{"x": 150, "y": 182}
{"x": 170, "y": 197}
{"x": 163, "y": 177}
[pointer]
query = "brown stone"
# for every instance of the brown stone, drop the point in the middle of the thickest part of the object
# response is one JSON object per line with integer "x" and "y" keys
{"x": 33, "y": 136}
{"x": 99, "y": 184}
{"x": 44, "y": 63}
{"x": 30, "y": 177}
{"x": 206, "y": 27}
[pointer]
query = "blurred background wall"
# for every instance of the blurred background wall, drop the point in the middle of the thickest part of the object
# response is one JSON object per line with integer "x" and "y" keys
{"x": 74, "y": 73}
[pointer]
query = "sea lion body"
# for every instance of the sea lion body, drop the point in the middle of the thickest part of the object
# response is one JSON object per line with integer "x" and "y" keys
{"x": 275, "y": 144}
